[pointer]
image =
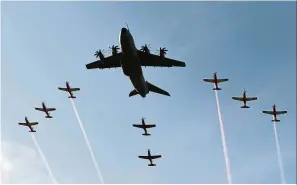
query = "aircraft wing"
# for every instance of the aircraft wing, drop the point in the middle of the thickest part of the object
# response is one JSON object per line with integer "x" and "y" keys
{"x": 74, "y": 89}
{"x": 144, "y": 126}
{"x": 148, "y": 59}
{"x": 251, "y": 98}
{"x": 268, "y": 112}
{"x": 237, "y": 98}
{"x": 40, "y": 109}
{"x": 218, "y": 80}
{"x": 50, "y": 109}
{"x": 222, "y": 80}
{"x": 281, "y": 112}
{"x": 144, "y": 157}
{"x": 155, "y": 156}
{"x": 112, "y": 61}
{"x": 30, "y": 124}
{"x": 62, "y": 88}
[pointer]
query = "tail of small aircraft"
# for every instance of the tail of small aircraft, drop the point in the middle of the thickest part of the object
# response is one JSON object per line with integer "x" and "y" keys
{"x": 275, "y": 120}
{"x": 244, "y": 107}
{"x": 216, "y": 88}
{"x": 146, "y": 134}
{"x": 151, "y": 164}
{"x": 32, "y": 131}
{"x": 72, "y": 97}
{"x": 48, "y": 117}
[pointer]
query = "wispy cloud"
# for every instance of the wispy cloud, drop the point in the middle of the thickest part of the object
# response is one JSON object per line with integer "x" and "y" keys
{"x": 21, "y": 164}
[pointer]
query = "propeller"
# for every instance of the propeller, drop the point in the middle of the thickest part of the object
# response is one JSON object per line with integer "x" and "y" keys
{"x": 146, "y": 48}
{"x": 114, "y": 49}
{"x": 99, "y": 54}
{"x": 162, "y": 51}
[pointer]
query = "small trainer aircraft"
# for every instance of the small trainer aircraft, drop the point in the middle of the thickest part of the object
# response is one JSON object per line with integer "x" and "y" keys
{"x": 274, "y": 113}
{"x": 244, "y": 99}
{"x": 46, "y": 110}
{"x": 150, "y": 157}
{"x": 29, "y": 124}
{"x": 215, "y": 80}
{"x": 144, "y": 127}
{"x": 69, "y": 90}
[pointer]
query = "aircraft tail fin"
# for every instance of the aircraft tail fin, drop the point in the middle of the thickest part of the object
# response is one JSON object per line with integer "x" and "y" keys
{"x": 146, "y": 134}
{"x": 72, "y": 97}
{"x": 151, "y": 164}
{"x": 32, "y": 131}
{"x": 48, "y": 117}
{"x": 216, "y": 89}
{"x": 275, "y": 120}
{"x": 156, "y": 89}
{"x": 133, "y": 93}
{"x": 244, "y": 107}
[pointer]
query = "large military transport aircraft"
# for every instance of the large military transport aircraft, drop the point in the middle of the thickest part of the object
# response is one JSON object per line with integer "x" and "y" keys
{"x": 131, "y": 60}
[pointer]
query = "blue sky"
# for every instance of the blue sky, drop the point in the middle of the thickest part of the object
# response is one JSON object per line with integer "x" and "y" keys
{"x": 45, "y": 44}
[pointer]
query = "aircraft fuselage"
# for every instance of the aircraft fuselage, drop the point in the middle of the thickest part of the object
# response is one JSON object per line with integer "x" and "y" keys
{"x": 69, "y": 89}
{"x": 44, "y": 109}
{"x": 131, "y": 64}
{"x": 244, "y": 98}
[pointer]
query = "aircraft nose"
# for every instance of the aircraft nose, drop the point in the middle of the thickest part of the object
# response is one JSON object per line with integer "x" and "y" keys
{"x": 123, "y": 30}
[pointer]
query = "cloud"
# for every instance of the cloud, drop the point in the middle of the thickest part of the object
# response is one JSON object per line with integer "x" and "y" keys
{"x": 21, "y": 164}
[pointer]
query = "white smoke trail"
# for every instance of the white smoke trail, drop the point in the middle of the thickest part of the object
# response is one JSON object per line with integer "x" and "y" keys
{"x": 87, "y": 142}
{"x": 43, "y": 159}
{"x": 228, "y": 171}
{"x": 279, "y": 157}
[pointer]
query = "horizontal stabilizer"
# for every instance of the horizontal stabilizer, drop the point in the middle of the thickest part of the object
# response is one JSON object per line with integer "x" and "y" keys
{"x": 275, "y": 120}
{"x": 48, "y": 117}
{"x": 156, "y": 89}
{"x": 244, "y": 107}
{"x": 72, "y": 97}
{"x": 133, "y": 93}
{"x": 216, "y": 89}
{"x": 146, "y": 134}
{"x": 151, "y": 164}
{"x": 32, "y": 131}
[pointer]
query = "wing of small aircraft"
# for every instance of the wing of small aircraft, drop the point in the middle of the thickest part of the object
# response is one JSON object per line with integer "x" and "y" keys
{"x": 281, "y": 112}
{"x": 71, "y": 89}
{"x": 148, "y": 59}
{"x": 218, "y": 80}
{"x": 74, "y": 89}
{"x": 238, "y": 98}
{"x": 250, "y": 98}
{"x": 47, "y": 109}
{"x": 112, "y": 61}
{"x": 268, "y": 112}
{"x": 40, "y": 109}
{"x": 155, "y": 156}
{"x": 144, "y": 126}
{"x": 144, "y": 157}
{"x": 150, "y": 157}
{"x": 30, "y": 124}
{"x": 62, "y": 89}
